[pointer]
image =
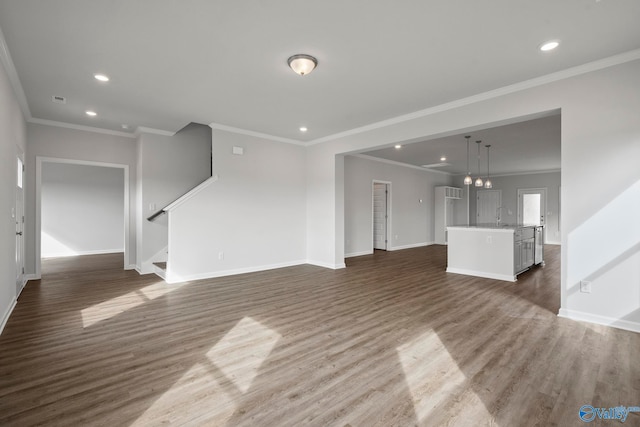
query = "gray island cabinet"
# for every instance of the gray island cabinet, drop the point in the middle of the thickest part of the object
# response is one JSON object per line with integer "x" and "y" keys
{"x": 494, "y": 251}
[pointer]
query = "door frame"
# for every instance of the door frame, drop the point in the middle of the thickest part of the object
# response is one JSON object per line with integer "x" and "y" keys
{"x": 38, "y": 222}
{"x": 388, "y": 222}
{"x": 543, "y": 197}
{"x": 483, "y": 192}
{"x": 20, "y": 275}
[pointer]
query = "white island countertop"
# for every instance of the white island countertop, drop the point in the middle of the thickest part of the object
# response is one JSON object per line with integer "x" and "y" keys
{"x": 487, "y": 250}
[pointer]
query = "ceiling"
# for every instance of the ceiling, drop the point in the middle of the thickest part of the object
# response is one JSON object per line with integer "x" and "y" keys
{"x": 524, "y": 147}
{"x": 225, "y": 62}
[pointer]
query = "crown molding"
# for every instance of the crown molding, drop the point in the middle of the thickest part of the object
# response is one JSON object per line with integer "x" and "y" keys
{"x": 611, "y": 61}
{"x": 12, "y": 74}
{"x": 80, "y": 127}
{"x": 141, "y": 129}
{"x": 240, "y": 131}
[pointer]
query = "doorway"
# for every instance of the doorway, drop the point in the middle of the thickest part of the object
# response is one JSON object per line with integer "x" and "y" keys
{"x": 532, "y": 206}
{"x": 488, "y": 203}
{"x": 38, "y": 231}
{"x": 380, "y": 202}
{"x": 18, "y": 215}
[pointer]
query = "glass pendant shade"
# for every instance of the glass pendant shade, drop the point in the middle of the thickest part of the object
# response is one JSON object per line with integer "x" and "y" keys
{"x": 468, "y": 180}
{"x": 479, "y": 182}
{"x": 488, "y": 184}
{"x": 302, "y": 64}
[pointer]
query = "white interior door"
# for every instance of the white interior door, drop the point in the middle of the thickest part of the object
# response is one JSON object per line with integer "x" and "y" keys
{"x": 532, "y": 206}
{"x": 18, "y": 215}
{"x": 380, "y": 215}
{"x": 488, "y": 202}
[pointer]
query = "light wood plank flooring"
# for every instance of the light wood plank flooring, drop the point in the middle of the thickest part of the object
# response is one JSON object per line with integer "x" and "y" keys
{"x": 392, "y": 340}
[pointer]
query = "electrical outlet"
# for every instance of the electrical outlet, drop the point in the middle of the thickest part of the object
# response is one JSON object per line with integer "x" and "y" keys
{"x": 489, "y": 239}
{"x": 220, "y": 256}
{"x": 585, "y": 287}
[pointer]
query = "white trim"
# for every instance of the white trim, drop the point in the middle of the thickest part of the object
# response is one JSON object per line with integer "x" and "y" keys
{"x": 404, "y": 165}
{"x": 38, "y": 225}
{"x": 517, "y": 87}
{"x": 172, "y": 278}
{"x": 539, "y": 172}
{"x": 31, "y": 277}
{"x": 599, "y": 320}
{"x": 81, "y": 253}
{"x": 326, "y": 265}
{"x": 142, "y": 129}
{"x": 261, "y": 135}
{"x": 130, "y": 267}
{"x": 80, "y": 127}
{"x": 555, "y": 243}
{"x": 7, "y": 314}
{"x": 361, "y": 253}
{"x": 14, "y": 79}
{"x": 484, "y": 274}
{"x": 411, "y": 246}
{"x": 191, "y": 193}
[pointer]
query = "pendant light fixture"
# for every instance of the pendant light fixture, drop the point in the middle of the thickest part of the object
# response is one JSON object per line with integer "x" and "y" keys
{"x": 467, "y": 179}
{"x": 487, "y": 183}
{"x": 479, "y": 182}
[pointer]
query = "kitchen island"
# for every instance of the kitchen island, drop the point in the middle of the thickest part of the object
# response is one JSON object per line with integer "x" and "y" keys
{"x": 494, "y": 251}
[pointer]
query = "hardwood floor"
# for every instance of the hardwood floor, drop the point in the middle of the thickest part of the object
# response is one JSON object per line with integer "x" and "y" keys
{"x": 392, "y": 340}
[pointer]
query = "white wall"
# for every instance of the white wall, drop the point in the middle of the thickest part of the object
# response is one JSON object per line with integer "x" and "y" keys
{"x": 168, "y": 167}
{"x": 12, "y": 141}
{"x": 82, "y": 209}
{"x": 600, "y": 138}
{"x": 254, "y": 215}
{"x": 411, "y": 221}
{"x": 63, "y": 143}
{"x": 510, "y": 185}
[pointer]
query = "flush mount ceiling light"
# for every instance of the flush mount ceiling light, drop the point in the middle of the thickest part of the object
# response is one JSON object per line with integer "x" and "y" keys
{"x": 398, "y": 146}
{"x": 302, "y": 64}
{"x": 101, "y": 77}
{"x": 303, "y": 129}
{"x": 91, "y": 113}
{"x": 550, "y": 45}
{"x": 443, "y": 159}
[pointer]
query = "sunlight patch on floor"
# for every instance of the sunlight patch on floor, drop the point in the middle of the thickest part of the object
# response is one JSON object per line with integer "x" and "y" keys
{"x": 436, "y": 383}
{"x": 241, "y": 352}
{"x": 113, "y": 307}
{"x": 195, "y": 399}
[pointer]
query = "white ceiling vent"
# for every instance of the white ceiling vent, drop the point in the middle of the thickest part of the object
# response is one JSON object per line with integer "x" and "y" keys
{"x": 437, "y": 165}
{"x": 59, "y": 99}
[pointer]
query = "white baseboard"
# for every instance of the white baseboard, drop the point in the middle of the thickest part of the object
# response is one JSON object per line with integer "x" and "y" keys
{"x": 506, "y": 277}
{"x": 352, "y": 254}
{"x": 32, "y": 277}
{"x": 326, "y": 264}
{"x": 131, "y": 267}
{"x": 553, "y": 243}
{"x": 172, "y": 278}
{"x": 411, "y": 246}
{"x": 599, "y": 320}
{"x": 5, "y": 318}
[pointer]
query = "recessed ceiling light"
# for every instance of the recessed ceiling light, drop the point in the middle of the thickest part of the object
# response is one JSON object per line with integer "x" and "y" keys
{"x": 101, "y": 77}
{"x": 91, "y": 113}
{"x": 550, "y": 45}
{"x": 303, "y": 129}
{"x": 443, "y": 159}
{"x": 398, "y": 146}
{"x": 125, "y": 126}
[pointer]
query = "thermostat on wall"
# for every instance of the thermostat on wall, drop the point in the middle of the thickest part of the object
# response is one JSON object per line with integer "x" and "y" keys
{"x": 238, "y": 150}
